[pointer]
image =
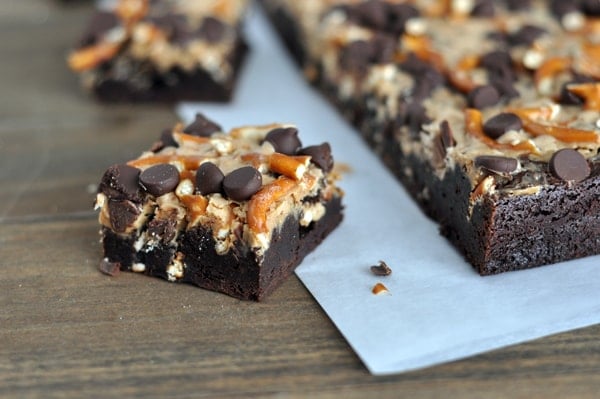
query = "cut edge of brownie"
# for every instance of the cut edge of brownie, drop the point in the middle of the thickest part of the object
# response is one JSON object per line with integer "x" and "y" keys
{"x": 240, "y": 273}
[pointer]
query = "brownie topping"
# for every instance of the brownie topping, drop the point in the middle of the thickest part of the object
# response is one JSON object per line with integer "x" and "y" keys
{"x": 320, "y": 156}
{"x": 483, "y": 96}
{"x": 212, "y": 29}
{"x": 446, "y": 135}
{"x": 174, "y": 26}
{"x": 164, "y": 229}
{"x": 122, "y": 214}
{"x": 101, "y": 23}
{"x": 166, "y": 138}
{"x": 160, "y": 179}
{"x": 502, "y": 123}
{"x": 382, "y": 16}
{"x": 121, "y": 182}
{"x": 284, "y": 140}
{"x": 242, "y": 183}
{"x": 526, "y": 35}
{"x": 209, "y": 179}
{"x": 591, "y": 7}
{"x": 202, "y": 126}
{"x": 569, "y": 165}
{"x": 561, "y": 7}
{"x": 497, "y": 164}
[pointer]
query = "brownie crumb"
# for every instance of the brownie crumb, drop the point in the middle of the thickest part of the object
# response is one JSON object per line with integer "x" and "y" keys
{"x": 381, "y": 269}
{"x": 380, "y": 289}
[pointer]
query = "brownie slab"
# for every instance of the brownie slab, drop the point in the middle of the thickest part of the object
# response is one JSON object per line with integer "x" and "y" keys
{"x": 162, "y": 51}
{"x": 233, "y": 213}
{"x": 486, "y": 111}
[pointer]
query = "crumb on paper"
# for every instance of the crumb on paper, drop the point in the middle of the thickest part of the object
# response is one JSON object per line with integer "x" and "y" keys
{"x": 381, "y": 269}
{"x": 380, "y": 289}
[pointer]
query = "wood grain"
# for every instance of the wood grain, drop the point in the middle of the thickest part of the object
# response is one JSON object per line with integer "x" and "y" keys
{"x": 67, "y": 331}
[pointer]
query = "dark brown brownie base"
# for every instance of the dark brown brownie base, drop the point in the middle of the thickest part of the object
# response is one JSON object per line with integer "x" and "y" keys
{"x": 504, "y": 233}
{"x": 238, "y": 273}
{"x": 173, "y": 86}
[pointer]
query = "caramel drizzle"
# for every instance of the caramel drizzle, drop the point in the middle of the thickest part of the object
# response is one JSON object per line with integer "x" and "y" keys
{"x": 474, "y": 127}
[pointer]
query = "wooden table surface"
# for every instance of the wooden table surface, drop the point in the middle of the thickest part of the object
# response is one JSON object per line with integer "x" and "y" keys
{"x": 67, "y": 331}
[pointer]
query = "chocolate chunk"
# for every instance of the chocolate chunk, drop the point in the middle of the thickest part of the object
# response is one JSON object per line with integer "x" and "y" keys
{"x": 209, "y": 179}
{"x": 381, "y": 269}
{"x": 569, "y": 165}
{"x": 320, "y": 156}
{"x": 484, "y": 9}
{"x": 497, "y": 125}
{"x": 212, "y": 29}
{"x": 526, "y": 35}
{"x": 483, "y": 96}
{"x": 122, "y": 214}
{"x": 202, "y": 126}
{"x": 356, "y": 56}
{"x": 242, "y": 183}
{"x": 121, "y": 182}
{"x": 160, "y": 179}
{"x": 497, "y": 164}
{"x": 100, "y": 23}
{"x": 110, "y": 268}
{"x": 284, "y": 140}
{"x": 163, "y": 229}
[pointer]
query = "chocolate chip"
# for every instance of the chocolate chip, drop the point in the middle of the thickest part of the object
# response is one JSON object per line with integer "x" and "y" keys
{"x": 569, "y": 165}
{"x": 518, "y": 5}
{"x": 484, "y": 9}
{"x": 561, "y": 7}
{"x": 497, "y": 164}
{"x": 320, "y": 156}
{"x": 166, "y": 137}
{"x": 212, "y": 29}
{"x": 495, "y": 60}
{"x": 202, "y": 126}
{"x": 209, "y": 179}
{"x": 398, "y": 15}
{"x": 120, "y": 182}
{"x": 446, "y": 135}
{"x": 160, "y": 179}
{"x": 384, "y": 48}
{"x": 372, "y": 13}
{"x": 356, "y": 56}
{"x": 591, "y": 7}
{"x": 416, "y": 116}
{"x": 499, "y": 124}
{"x": 242, "y": 183}
{"x": 122, "y": 214}
{"x": 381, "y": 269}
{"x": 110, "y": 268}
{"x": 483, "y": 96}
{"x": 100, "y": 23}
{"x": 174, "y": 26}
{"x": 526, "y": 35}
{"x": 284, "y": 140}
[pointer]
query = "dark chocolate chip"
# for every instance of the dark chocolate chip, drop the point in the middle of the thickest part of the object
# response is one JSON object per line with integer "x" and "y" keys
{"x": 320, "y": 156}
{"x": 499, "y": 124}
{"x": 519, "y": 5}
{"x": 100, "y": 23}
{"x": 163, "y": 229}
{"x": 121, "y": 182}
{"x": 166, "y": 137}
{"x": 497, "y": 164}
{"x": 356, "y": 56}
{"x": 202, "y": 126}
{"x": 284, "y": 140}
{"x": 446, "y": 135}
{"x": 483, "y": 96}
{"x": 160, "y": 179}
{"x": 174, "y": 26}
{"x": 562, "y": 7}
{"x": 398, "y": 15}
{"x": 110, "y": 268}
{"x": 526, "y": 35}
{"x": 569, "y": 165}
{"x": 416, "y": 116}
{"x": 242, "y": 183}
{"x": 496, "y": 60}
{"x": 209, "y": 179}
{"x": 567, "y": 97}
{"x": 123, "y": 214}
{"x": 484, "y": 9}
{"x": 504, "y": 87}
{"x": 591, "y": 7}
{"x": 384, "y": 48}
{"x": 372, "y": 13}
{"x": 212, "y": 29}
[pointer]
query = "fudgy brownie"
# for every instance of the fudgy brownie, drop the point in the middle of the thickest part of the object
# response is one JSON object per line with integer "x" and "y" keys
{"x": 234, "y": 213}
{"x": 162, "y": 51}
{"x": 487, "y": 111}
